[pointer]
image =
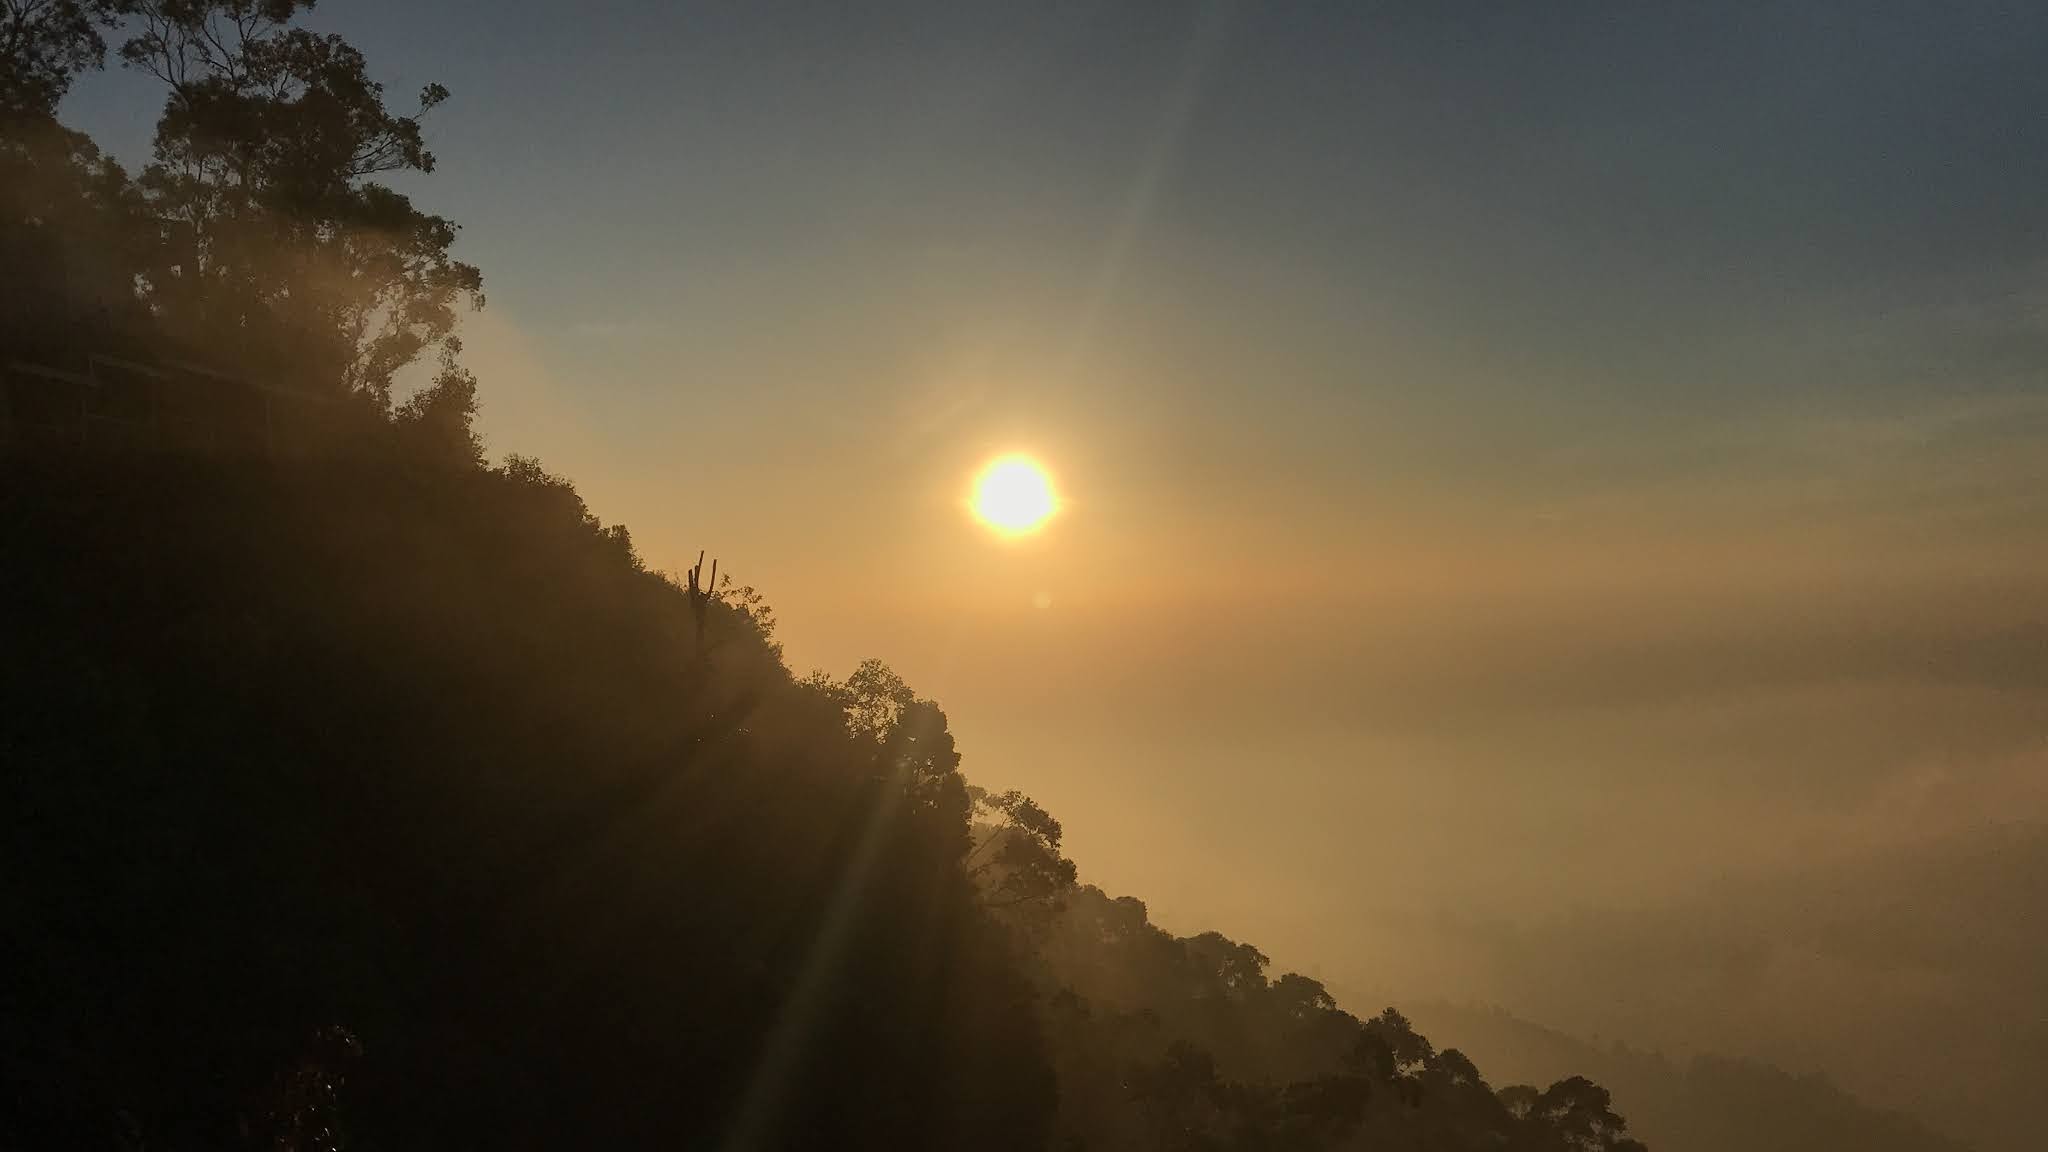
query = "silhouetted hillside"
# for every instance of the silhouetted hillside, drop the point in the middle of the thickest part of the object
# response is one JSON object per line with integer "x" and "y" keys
{"x": 393, "y": 799}
{"x": 1164, "y": 1041}
{"x": 418, "y": 783}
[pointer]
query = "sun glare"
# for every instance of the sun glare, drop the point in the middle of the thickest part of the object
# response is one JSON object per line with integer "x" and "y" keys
{"x": 1013, "y": 495}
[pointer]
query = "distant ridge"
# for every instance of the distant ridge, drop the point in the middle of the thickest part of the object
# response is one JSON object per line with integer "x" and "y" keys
{"x": 1704, "y": 1103}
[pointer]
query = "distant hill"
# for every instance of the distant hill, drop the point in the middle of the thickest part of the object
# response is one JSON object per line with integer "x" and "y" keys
{"x": 1910, "y": 974}
{"x": 1701, "y": 1104}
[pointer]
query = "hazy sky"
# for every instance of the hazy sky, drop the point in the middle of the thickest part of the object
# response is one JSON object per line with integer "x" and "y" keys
{"x": 1520, "y": 457}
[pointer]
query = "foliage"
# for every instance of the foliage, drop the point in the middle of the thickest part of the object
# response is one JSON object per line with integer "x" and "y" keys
{"x": 1017, "y": 859}
{"x": 258, "y": 238}
{"x": 43, "y": 45}
{"x": 269, "y": 223}
{"x": 1186, "y": 1043}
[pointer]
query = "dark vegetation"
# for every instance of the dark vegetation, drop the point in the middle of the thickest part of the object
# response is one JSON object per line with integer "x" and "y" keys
{"x": 359, "y": 793}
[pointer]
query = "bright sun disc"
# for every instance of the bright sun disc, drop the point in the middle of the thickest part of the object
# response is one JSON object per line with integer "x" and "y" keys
{"x": 1013, "y": 495}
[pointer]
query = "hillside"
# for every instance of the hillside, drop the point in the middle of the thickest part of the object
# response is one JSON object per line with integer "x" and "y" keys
{"x": 417, "y": 784}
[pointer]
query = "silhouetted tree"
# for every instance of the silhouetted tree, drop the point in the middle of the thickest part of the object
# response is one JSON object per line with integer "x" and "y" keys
{"x": 272, "y": 232}
{"x": 44, "y": 45}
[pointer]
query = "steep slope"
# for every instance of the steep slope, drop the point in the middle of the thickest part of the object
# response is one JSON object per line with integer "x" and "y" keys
{"x": 409, "y": 778}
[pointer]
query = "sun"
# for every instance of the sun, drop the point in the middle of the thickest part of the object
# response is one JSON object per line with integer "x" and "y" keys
{"x": 1014, "y": 496}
